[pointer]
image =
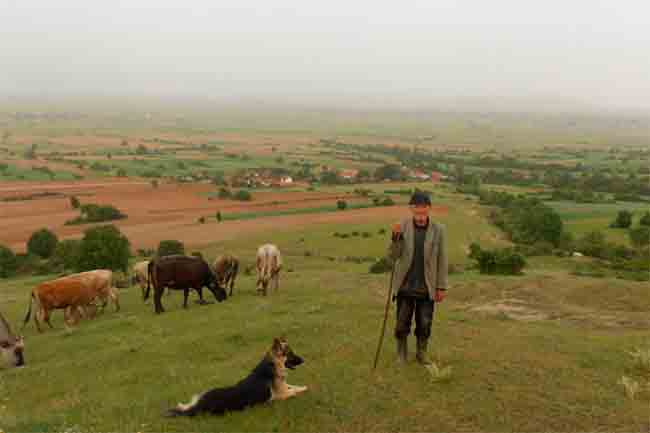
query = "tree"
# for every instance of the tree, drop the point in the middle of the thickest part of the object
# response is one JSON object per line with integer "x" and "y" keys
{"x": 640, "y": 237}
{"x": 66, "y": 253}
{"x": 329, "y": 177}
{"x": 74, "y": 202}
{"x": 141, "y": 149}
{"x": 104, "y": 247}
{"x": 388, "y": 172}
{"x": 218, "y": 178}
{"x": 154, "y": 183}
{"x": 342, "y": 205}
{"x": 219, "y": 216}
{"x": 42, "y": 243}
{"x": 124, "y": 143}
{"x": 623, "y": 220}
{"x": 243, "y": 195}
{"x": 170, "y": 247}
{"x": 8, "y": 262}
{"x": 121, "y": 172}
{"x": 645, "y": 219}
{"x": 592, "y": 244}
{"x": 364, "y": 174}
{"x": 224, "y": 193}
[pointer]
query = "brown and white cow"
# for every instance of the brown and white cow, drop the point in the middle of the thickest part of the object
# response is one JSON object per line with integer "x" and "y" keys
{"x": 225, "y": 268}
{"x": 72, "y": 293}
{"x": 269, "y": 264}
{"x": 11, "y": 346}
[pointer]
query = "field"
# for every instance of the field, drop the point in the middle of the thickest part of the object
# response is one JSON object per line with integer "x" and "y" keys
{"x": 540, "y": 351}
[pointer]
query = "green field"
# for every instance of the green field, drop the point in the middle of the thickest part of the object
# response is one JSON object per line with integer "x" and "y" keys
{"x": 580, "y": 219}
{"x": 121, "y": 371}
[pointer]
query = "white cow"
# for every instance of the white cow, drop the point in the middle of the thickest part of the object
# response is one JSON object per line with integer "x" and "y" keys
{"x": 269, "y": 264}
{"x": 141, "y": 274}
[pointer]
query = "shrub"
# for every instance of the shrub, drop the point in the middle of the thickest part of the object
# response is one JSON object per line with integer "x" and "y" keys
{"x": 505, "y": 261}
{"x": 592, "y": 244}
{"x": 645, "y": 219}
{"x": 42, "y": 243}
{"x": 243, "y": 195}
{"x": 387, "y": 202}
{"x": 104, "y": 247}
{"x": 382, "y": 231}
{"x": 341, "y": 205}
{"x": 640, "y": 236}
{"x": 623, "y": 220}
{"x": 8, "y": 262}
{"x": 381, "y": 266}
{"x": 355, "y": 233}
{"x": 170, "y": 247}
{"x": 365, "y": 235}
{"x": 224, "y": 193}
{"x": 93, "y": 213}
{"x": 201, "y": 220}
{"x": 74, "y": 202}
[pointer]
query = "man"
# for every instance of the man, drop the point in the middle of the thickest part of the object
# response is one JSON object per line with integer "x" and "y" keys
{"x": 420, "y": 276}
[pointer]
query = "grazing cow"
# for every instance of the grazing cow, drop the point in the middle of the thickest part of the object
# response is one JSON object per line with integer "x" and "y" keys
{"x": 225, "y": 269}
{"x": 182, "y": 273}
{"x": 73, "y": 293}
{"x": 11, "y": 346}
{"x": 269, "y": 264}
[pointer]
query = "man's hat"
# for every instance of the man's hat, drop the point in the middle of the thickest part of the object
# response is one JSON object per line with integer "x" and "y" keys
{"x": 420, "y": 198}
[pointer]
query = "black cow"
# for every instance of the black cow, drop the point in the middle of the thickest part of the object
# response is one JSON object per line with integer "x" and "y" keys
{"x": 181, "y": 273}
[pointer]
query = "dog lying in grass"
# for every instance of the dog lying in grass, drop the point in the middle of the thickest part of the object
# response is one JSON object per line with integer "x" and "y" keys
{"x": 266, "y": 382}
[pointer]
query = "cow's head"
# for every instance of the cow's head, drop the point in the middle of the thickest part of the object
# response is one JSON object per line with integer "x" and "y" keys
{"x": 12, "y": 352}
{"x": 217, "y": 289}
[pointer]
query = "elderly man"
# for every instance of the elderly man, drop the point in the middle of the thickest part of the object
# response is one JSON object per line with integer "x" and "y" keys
{"x": 420, "y": 275}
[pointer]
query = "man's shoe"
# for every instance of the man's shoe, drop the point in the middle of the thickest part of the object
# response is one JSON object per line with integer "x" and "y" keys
{"x": 402, "y": 350}
{"x": 422, "y": 356}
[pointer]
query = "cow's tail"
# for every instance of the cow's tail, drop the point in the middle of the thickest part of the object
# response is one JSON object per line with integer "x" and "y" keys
{"x": 188, "y": 409}
{"x": 29, "y": 310}
{"x": 149, "y": 276}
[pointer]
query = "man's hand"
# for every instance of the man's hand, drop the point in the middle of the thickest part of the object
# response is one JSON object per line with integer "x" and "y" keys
{"x": 440, "y": 295}
{"x": 397, "y": 228}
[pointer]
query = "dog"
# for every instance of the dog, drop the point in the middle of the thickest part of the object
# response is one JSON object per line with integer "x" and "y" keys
{"x": 265, "y": 383}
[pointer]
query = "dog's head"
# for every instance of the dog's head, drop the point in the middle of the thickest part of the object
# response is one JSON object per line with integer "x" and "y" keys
{"x": 282, "y": 351}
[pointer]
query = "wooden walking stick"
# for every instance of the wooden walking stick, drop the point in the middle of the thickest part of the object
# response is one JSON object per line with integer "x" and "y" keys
{"x": 383, "y": 326}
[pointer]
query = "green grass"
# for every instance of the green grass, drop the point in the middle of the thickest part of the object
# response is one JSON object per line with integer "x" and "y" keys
{"x": 13, "y": 173}
{"x": 300, "y": 211}
{"x": 121, "y": 371}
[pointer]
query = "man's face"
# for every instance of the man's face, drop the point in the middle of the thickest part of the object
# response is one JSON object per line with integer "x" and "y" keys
{"x": 420, "y": 211}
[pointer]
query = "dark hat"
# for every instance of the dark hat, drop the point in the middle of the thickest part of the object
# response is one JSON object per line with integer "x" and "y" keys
{"x": 420, "y": 198}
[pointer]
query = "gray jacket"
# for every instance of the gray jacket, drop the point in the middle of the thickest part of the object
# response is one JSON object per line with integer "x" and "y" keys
{"x": 435, "y": 256}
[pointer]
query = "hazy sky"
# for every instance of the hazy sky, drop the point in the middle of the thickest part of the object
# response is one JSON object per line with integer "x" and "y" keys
{"x": 406, "y": 53}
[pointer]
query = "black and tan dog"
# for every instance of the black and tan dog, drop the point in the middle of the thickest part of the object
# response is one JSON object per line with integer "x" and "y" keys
{"x": 266, "y": 382}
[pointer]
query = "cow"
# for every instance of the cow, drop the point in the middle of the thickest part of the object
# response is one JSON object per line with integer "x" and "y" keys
{"x": 11, "y": 346}
{"x": 141, "y": 275}
{"x": 73, "y": 293}
{"x": 225, "y": 268}
{"x": 269, "y": 264}
{"x": 179, "y": 272}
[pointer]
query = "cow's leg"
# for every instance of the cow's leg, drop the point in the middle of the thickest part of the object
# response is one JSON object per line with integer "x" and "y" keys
{"x": 200, "y": 292}
{"x": 38, "y": 313}
{"x": 46, "y": 318}
{"x": 186, "y": 293}
{"x": 115, "y": 298}
{"x": 157, "y": 301}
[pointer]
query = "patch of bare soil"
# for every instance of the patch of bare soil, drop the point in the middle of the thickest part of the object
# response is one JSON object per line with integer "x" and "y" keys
{"x": 513, "y": 309}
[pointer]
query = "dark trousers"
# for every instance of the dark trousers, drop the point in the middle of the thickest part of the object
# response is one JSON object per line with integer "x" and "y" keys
{"x": 407, "y": 306}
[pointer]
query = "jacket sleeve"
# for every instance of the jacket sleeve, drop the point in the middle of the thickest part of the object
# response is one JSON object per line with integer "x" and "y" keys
{"x": 442, "y": 270}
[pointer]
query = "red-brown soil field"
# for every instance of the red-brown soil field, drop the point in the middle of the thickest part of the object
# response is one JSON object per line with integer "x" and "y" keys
{"x": 170, "y": 211}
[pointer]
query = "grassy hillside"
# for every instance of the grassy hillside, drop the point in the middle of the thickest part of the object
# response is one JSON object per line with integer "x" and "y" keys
{"x": 542, "y": 351}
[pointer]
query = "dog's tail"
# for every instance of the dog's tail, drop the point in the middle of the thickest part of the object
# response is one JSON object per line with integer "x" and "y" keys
{"x": 188, "y": 409}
